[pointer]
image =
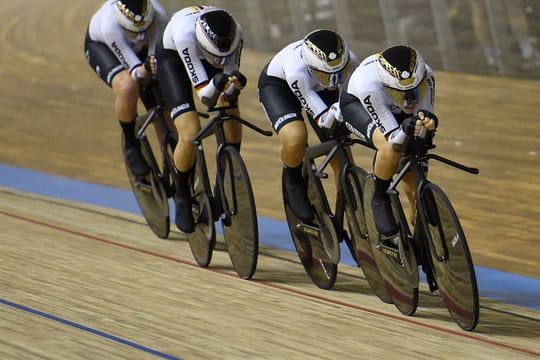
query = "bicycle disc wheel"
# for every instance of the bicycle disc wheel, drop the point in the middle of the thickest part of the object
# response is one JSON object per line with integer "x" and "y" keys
{"x": 357, "y": 226}
{"x": 203, "y": 239}
{"x": 240, "y": 227}
{"x": 398, "y": 269}
{"x": 450, "y": 257}
{"x": 150, "y": 193}
{"x": 307, "y": 241}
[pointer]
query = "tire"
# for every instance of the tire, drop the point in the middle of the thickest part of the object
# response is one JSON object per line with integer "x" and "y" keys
{"x": 450, "y": 257}
{"x": 313, "y": 255}
{"x": 239, "y": 224}
{"x": 203, "y": 239}
{"x": 150, "y": 193}
{"x": 352, "y": 187}
{"x": 400, "y": 275}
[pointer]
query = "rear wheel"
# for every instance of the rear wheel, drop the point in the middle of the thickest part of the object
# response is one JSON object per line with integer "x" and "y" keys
{"x": 239, "y": 220}
{"x": 397, "y": 266}
{"x": 356, "y": 220}
{"x": 203, "y": 239}
{"x": 450, "y": 257}
{"x": 150, "y": 192}
{"x": 316, "y": 243}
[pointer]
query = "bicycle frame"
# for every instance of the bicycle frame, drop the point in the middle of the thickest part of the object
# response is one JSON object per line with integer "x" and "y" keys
{"x": 335, "y": 148}
{"x": 215, "y": 126}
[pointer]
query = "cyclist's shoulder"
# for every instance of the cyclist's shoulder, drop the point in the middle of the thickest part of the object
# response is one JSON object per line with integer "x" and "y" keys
{"x": 364, "y": 78}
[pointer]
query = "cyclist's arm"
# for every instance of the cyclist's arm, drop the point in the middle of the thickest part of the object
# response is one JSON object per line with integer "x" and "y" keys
{"x": 158, "y": 27}
{"x": 373, "y": 102}
{"x": 114, "y": 38}
{"x": 309, "y": 99}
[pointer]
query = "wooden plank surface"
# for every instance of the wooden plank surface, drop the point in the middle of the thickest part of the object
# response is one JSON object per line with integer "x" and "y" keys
{"x": 105, "y": 271}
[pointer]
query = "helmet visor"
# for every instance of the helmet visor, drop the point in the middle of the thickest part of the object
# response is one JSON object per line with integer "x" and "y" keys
{"x": 215, "y": 60}
{"x": 407, "y": 98}
{"x": 329, "y": 80}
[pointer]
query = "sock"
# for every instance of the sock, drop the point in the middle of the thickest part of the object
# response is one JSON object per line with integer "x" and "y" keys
{"x": 236, "y": 146}
{"x": 129, "y": 133}
{"x": 182, "y": 183}
{"x": 381, "y": 186}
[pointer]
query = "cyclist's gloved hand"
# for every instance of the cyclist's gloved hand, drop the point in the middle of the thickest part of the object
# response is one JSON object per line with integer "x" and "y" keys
{"x": 237, "y": 81}
{"x": 141, "y": 75}
{"x": 238, "y": 76}
{"x": 400, "y": 137}
{"x": 327, "y": 119}
{"x": 408, "y": 125}
{"x": 150, "y": 64}
{"x": 428, "y": 119}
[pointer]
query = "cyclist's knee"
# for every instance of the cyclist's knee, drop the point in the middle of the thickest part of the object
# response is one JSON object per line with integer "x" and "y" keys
{"x": 294, "y": 136}
{"x": 124, "y": 86}
{"x": 187, "y": 124}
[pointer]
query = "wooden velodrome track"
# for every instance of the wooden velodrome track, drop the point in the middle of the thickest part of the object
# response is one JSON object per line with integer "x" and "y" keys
{"x": 79, "y": 281}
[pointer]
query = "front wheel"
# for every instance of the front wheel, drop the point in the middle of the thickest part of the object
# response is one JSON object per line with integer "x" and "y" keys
{"x": 239, "y": 218}
{"x": 450, "y": 257}
{"x": 398, "y": 267}
{"x": 150, "y": 192}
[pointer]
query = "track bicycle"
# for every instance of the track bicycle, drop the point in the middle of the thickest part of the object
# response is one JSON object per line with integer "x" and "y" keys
{"x": 231, "y": 200}
{"x": 436, "y": 242}
{"x": 317, "y": 242}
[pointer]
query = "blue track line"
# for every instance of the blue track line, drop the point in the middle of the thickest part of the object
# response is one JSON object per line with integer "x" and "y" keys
{"x": 90, "y": 330}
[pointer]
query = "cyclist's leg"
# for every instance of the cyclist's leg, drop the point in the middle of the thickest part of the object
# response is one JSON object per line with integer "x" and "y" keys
{"x": 329, "y": 97}
{"x": 359, "y": 122}
{"x": 284, "y": 112}
{"x": 176, "y": 88}
{"x": 126, "y": 91}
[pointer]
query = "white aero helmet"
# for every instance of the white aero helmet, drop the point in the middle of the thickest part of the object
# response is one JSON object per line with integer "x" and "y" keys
{"x": 218, "y": 35}
{"x": 326, "y": 55}
{"x": 402, "y": 72}
{"x": 135, "y": 15}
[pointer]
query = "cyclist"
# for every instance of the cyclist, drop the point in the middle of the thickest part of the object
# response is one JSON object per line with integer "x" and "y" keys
{"x": 200, "y": 49}
{"x": 388, "y": 100}
{"x": 305, "y": 74}
{"x": 119, "y": 46}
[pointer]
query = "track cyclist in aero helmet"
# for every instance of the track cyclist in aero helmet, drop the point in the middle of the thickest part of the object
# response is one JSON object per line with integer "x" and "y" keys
{"x": 200, "y": 49}
{"x": 304, "y": 75}
{"x": 388, "y": 102}
{"x": 119, "y": 46}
